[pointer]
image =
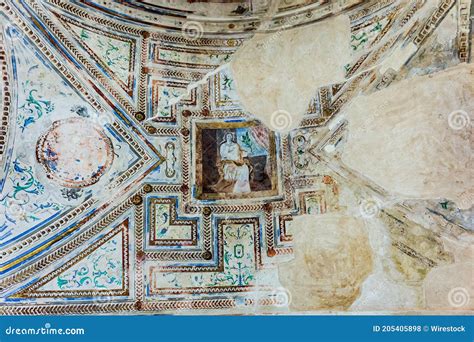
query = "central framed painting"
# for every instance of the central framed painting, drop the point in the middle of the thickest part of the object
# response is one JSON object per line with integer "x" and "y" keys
{"x": 235, "y": 160}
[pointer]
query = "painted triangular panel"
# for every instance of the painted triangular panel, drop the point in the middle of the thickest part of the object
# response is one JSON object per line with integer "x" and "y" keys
{"x": 114, "y": 53}
{"x": 101, "y": 269}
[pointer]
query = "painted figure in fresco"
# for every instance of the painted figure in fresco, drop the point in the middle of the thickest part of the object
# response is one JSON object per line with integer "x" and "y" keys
{"x": 233, "y": 168}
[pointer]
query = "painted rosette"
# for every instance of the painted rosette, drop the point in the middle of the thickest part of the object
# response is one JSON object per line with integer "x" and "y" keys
{"x": 75, "y": 152}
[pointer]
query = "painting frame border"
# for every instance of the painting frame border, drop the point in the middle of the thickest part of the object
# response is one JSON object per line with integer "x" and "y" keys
{"x": 198, "y": 192}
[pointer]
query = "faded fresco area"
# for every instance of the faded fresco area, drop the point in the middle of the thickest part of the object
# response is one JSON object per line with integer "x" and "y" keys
{"x": 236, "y": 157}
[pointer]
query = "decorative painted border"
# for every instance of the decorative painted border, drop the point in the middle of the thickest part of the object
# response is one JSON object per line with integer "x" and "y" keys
{"x": 174, "y": 219}
{"x": 32, "y": 290}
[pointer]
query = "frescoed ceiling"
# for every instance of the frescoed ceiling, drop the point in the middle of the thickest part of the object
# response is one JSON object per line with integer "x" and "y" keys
{"x": 236, "y": 157}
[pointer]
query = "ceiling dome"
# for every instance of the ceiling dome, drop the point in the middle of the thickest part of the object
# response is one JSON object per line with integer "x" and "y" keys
{"x": 214, "y": 16}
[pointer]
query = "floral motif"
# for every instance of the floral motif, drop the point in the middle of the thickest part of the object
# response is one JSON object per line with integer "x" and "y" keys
{"x": 20, "y": 204}
{"x": 33, "y": 108}
{"x": 239, "y": 263}
{"x": 238, "y": 258}
{"x": 163, "y": 227}
{"x": 102, "y": 269}
{"x": 113, "y": 53}
{"x": 71, "y": 193}
{"x": 360, "y": 39}
{"x": 166, "y": 95}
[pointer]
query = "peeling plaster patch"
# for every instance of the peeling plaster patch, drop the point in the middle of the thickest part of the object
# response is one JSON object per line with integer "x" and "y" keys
{"x": 422, "y": 130}
{"x": 398, "y": 58}
{"x": 276, "y": 74}
{"x": 438, "y": 54}
{"x": 450, "y": 287}
{"x": 406, "y": 237}
{"x": 332, "y": 259}
{"x": 447, "y": 31}
{"x": 385, "y": 281}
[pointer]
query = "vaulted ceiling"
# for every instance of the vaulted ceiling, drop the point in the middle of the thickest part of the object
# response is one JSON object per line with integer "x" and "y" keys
{"x": 133, "y": 179}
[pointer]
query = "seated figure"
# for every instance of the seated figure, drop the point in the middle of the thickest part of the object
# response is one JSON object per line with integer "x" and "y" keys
{"x": 233, "y": 166}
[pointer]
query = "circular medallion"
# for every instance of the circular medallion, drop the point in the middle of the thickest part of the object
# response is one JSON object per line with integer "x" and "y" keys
{"x": 74, "y": 152}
